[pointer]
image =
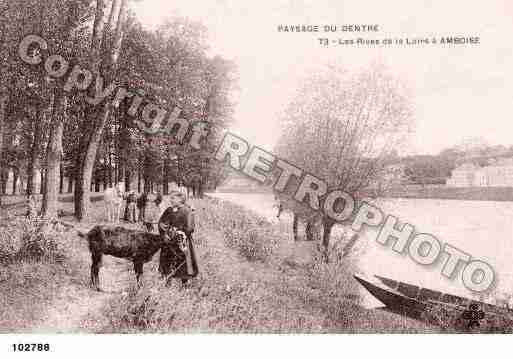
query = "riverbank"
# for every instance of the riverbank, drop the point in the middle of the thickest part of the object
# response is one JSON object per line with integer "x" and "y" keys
{"x": 502, "y": 194}
{"x": 253, "y": 279}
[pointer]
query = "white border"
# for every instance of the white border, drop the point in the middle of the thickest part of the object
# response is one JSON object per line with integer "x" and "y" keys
{"x": 262, "y": 346}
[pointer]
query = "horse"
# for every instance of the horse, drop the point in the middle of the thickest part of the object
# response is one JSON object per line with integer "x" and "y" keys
{"x": 113, "y": 198}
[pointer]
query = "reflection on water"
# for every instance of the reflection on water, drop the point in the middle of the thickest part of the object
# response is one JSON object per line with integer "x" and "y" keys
{"x": 480, "y": 228}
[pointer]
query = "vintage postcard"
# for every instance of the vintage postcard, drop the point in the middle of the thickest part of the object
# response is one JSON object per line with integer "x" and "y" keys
{"x": 243, "y": 167}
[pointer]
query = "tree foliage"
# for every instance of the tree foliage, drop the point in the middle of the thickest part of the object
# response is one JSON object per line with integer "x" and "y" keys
{"x": 42, "y": 128}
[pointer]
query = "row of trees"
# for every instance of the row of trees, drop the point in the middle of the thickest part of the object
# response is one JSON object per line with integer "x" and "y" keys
{"x": 435, "y": 169}
{"x": 44, "y": 127}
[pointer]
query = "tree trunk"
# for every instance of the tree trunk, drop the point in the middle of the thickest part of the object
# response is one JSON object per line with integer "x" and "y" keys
{"x": 34, "y": 154}
{"x": 350, "y": 244}
{"x": 42, "y": 181}
{"x": 3, "y": 106}
{"x": 58, "y": 103}
{"x": 116, "y": 172}
{"x": 165, "y": 179}
{"x": 61, "y": 179}
{"x": 70, "y": 184}
{"x": 128, "y": 179}
{"x": 53, "y": 158}
{"x": 309, "y": 231}
{"x": 82, "y": 185}
{"x": 201, "y": 189}
{"x": 3, "y": 179}
{"x": 326, "y": 236}
{"x": 138, "y": 180}
{"x": 22, "y": 187}
{"x": 14, "y": 180}
{"x": 294, "y": 226}
{"x": 4, "y": 98}
{"x": 104, "y": 173}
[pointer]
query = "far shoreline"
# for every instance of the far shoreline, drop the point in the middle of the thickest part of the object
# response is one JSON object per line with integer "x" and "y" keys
{"x": 439, "y": 192}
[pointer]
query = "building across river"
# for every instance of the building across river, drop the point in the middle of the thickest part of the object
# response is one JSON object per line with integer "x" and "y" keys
{"x": 498, "y": 174}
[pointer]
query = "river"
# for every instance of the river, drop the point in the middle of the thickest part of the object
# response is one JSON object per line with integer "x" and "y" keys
{"x": 483, "y": 229}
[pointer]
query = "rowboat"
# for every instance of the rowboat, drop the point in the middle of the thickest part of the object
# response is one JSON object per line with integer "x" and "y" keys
{"x": 412, "y": 300}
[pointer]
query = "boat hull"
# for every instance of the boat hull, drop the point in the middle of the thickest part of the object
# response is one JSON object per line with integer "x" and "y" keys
{"x": 394, "y": 301}
{"x": 414, "y": 301}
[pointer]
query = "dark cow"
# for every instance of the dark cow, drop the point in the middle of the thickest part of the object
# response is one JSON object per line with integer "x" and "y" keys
{"x": 175, "y": 261}
{"x": 137, "y": 246}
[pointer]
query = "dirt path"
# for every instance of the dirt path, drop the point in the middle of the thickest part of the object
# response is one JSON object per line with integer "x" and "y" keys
{"x": 77, "y": 307}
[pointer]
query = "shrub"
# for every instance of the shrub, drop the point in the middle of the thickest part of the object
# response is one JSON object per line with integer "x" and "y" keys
{"x": 251, "y": 235}
{"x": 334, "y": 278}
{"x": 253, "y": 243}
{"x": 31, "y": 239}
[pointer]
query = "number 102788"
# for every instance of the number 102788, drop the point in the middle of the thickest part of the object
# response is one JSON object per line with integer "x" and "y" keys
{"x": 32, "y": 347}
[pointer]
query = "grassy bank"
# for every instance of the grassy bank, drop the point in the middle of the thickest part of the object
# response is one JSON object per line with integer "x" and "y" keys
{"x": 34, "y": 256}
{"x": 253, "y": 279}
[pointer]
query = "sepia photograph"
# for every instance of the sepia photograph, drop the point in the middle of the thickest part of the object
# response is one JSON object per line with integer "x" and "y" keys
{"x": 240, "y": 167}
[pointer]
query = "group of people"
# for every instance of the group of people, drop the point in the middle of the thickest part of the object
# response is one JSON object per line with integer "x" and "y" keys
{"x": 143, "y": 208}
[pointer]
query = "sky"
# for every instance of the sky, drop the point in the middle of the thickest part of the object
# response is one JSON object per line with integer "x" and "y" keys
{"x": 459, "y": 92}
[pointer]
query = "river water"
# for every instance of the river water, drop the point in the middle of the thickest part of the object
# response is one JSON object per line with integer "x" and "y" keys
{"x": 483, "y": 229}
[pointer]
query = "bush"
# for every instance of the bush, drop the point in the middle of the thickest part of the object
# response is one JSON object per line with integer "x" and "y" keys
{"x": 253, "y": 243}
{"x": 251, "y": 235}
{"x": 31, "y": 239}
{"x": 335, "y": 278}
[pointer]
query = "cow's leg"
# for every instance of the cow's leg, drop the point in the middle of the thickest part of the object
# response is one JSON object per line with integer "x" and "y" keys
{"x": 96, "y": 264}
{"x": 138, "y": 268}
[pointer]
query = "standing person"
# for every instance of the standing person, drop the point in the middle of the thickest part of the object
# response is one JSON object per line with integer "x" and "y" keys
{"x": 141, "y": 205}
{"x": 151, "y": 211}
{"x": 178, "y": 258}
{"x": 131, "y": 207}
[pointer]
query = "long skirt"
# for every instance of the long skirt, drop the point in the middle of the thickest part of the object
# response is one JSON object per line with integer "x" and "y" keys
{"x": 176, "y": 263}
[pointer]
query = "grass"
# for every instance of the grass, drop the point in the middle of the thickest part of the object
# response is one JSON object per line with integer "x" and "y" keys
{"x": 34, "y": 259}
{"x": 286, "y": 289}
{"x": 253, "y": 279}
{"x": 455, "y": 322}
